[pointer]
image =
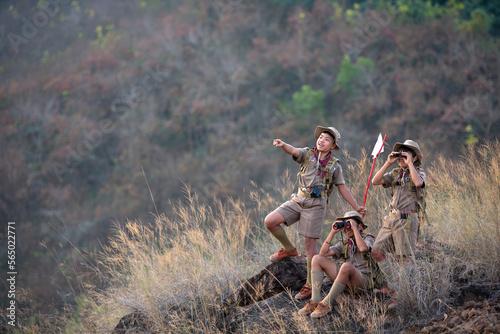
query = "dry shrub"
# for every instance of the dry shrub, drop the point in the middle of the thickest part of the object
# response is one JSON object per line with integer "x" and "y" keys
{"x": 463, "y": 207}
{"x": 197, "y": 258}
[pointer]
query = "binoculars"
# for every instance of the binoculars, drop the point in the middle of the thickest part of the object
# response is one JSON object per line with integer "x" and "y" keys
{"x": 341, "y": 224}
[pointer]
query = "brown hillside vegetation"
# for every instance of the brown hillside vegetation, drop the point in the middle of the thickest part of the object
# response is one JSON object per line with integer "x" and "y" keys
{"x": 114, "y": 114}
{"x": 207, "y": 269}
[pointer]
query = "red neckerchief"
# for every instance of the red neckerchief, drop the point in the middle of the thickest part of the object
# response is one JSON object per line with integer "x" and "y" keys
{"x": 352, "y": 242}
{"x": 322, "y": 162}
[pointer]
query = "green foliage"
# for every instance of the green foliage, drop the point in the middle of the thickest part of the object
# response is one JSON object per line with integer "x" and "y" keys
{"x": 351, "y": 75}
{"x": 292, "y": 3}
{"x": 476, "y": 16}
{"x": 471, "y": 137}
{"x": 104, "y": 36}
{"x": 45, "y": 58}
{"x": 308, "y": 101}
{"x": 418, "y": 11}
{"x": 479, "y": 23}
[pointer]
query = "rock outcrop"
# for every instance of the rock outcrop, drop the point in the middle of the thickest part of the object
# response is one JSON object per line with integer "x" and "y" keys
{"x": 267, "y": 298}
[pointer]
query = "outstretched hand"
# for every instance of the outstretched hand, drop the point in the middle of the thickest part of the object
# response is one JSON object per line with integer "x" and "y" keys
{"x": 278, "y": 142}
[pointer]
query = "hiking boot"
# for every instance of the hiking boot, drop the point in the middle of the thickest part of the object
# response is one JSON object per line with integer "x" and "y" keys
{"x": 385, "y": 290}
{"x": 304, "y": 293}
{"x": 282, "y": 253}
{"x": 393, "y": 304}
{"x": 321, "y": 310}
{"x": 309, "y": 308}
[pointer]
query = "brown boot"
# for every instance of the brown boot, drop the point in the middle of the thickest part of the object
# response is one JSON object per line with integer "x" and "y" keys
{"x": 304, "y": 293}
{"x": 309, "y": 308}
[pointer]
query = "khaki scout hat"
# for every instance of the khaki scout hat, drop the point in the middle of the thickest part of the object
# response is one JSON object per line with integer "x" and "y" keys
{"x": 414, "y": 146}
{"x": 353, "y": 214}
{"x": 331, "y": 130}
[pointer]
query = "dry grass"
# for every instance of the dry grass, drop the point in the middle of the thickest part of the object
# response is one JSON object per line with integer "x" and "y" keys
{"x": 196, "y": 259}
{"x": 464, "y": 210}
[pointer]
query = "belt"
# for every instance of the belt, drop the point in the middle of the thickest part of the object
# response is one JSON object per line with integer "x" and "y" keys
{"x": 403, "y": 214}
{"x": 307, "y": 194}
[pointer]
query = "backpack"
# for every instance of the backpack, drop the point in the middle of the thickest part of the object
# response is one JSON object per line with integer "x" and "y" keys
{"x": 329, "y": 169}
{"x": 376, "y": 274}
{"x": 421, "y": 204}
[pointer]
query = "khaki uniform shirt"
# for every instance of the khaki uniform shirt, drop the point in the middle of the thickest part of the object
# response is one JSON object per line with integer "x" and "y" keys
{"x": 354, "y": 255}
{"x": 403, "y": 198}
{"x": 310, "y": 177}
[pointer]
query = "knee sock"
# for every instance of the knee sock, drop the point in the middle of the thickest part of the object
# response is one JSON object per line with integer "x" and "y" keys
{"x": 283, "y": 239}
{"x": 309, "y": 263}
{"x": 317, "y": 282}
{"x": 336, "y": 290}
{"x": 386, "y": 268}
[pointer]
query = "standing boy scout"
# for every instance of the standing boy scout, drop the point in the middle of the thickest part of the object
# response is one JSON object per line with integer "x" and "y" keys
{"x": 319, "y": 172}
{"x": 400, "y": 227}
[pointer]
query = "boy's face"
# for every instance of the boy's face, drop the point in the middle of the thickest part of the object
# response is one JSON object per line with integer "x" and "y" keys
{"x": 348, "y": 230}
{"x": 325, "y": 142}
{"x": 407, "y": 154}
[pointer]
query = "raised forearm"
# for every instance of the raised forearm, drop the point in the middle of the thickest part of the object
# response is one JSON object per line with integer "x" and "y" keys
{"x": 378, "y": 178}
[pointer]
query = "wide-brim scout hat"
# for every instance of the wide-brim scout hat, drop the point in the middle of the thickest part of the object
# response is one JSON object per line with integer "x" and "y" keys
{"x": 331, "y": 130}
{"x": 410, "y": 144}
{"x": 353, "y": 214}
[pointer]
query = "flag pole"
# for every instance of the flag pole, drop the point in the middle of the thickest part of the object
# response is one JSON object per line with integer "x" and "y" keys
{"x": 373, "y": 164}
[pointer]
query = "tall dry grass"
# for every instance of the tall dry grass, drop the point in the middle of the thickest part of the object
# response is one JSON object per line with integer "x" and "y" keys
{"x": 197, "y": 258}
{"x": 464, "y": 204}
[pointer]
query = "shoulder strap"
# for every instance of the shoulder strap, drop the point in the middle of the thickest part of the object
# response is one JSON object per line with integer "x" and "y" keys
{"x": 394, "y": 177}
{"x": 329, "y": 169}
{"x": 307, "y": 160}
{"x": 327, "y": 180}
{"x": 345, "y": 250}
{"x": 421, "y": 204}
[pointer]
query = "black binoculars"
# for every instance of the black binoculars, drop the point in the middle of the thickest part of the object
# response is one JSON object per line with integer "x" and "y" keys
{"x": 341, "y": 224}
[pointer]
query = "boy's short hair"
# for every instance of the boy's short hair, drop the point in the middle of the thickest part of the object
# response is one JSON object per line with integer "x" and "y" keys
{"x": 407, "y": 149}
{"x": 328, "y": 133}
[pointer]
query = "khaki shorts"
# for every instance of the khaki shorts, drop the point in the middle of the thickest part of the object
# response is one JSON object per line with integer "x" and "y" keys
{"x": 397, "y": 236}
{"x": 310, "y": 211}
{"x": 366, "y": 284}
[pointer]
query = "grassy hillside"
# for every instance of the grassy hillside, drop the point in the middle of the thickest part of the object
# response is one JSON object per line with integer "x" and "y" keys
{"x": 197, "y": 259}
{"x": 104, "y": 105}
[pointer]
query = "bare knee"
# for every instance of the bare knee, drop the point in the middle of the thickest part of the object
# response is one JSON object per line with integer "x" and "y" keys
{"x": 273, "y": 221}
{"x": 346, "y": 268}
{"x": 310, "y": 246}
{"x": 318, "y": 258}
{"x": 318, "y": 261}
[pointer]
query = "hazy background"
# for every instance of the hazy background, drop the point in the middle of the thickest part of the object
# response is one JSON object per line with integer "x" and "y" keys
{"x": 100, "y": 99}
